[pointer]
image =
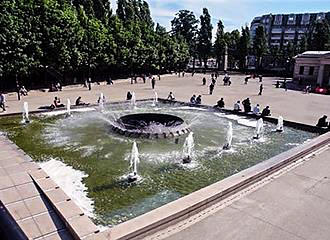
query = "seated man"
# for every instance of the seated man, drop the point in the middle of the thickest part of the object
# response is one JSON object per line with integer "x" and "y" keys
{"x": 80, "y": 103}
{"x": 237, "y": 106}
{"x": 322, "y": 122}
{"x": 23, "y": 91}
{"x": 265, "y": 112}
{"x": 247, "y": 105}
{"x": 171, "y": 97}
{"x": 199, "y": 99}
{"x": 256, "y": 110}
{"x": 57, "y": 103}
{"x": 193, "y": 99}
{"x": 129, "y": 95}
{"x": 221, "y": 103}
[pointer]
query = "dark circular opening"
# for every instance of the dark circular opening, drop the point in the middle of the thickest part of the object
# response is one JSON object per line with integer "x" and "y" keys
{"x": 150, "y": 125}
{"x": 145, "y": 120}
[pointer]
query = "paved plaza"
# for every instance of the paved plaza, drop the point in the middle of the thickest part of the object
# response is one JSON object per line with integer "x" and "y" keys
{"x": 291, "y": 204}
{"x": 292, "y": 105}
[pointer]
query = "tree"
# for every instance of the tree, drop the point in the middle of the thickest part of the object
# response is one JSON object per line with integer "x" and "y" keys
{"x": 260, "y": 44}
{"x": 220, "y": 43}
{"x": 185, "y": 24}
{"x": 205, "y": 37}
{"x": 243, "y": 46}
{"x": 320, "y": 36}
{"x": 302, "y": 46}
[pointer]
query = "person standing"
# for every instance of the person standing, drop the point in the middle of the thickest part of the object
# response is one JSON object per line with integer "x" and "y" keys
{"x": 153, "y": 82}
{"x": 211, "y": 88}
{"x": 3, "y": 102}
{"x": 204, "y": 81}
{"x": 260, "y": 89}
{"x": 89, "y": 84}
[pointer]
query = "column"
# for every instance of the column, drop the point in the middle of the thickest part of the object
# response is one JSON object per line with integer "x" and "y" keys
{"x": 320, "y": 75}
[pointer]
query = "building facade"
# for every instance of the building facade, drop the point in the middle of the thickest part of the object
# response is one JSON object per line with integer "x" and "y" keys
{"x": 284, "y": 28}
{"x": 313, "y": 67}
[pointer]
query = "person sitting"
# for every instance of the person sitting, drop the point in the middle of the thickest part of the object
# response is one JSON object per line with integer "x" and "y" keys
{"x": 265, "y": 112}
{"x": 247, "y": 105}
{"x": 110, "y": 82}
{"x": 23, "y": 91}
{"x": 199, "y": 99}
{"x": 58, "y": 86}
{"x": 57, "y": 103}
{"x": 80, "y": 103}
{"x": 171, "y": 97}
{"x": 237, "y": 106}
{"x": 99, "y": 100}
{"x": 256, "y": 110}
{"x": 129, "y": 96}
{"x": 193, "y": 99}
{"x": 246, "y": 80}
{"x": 221, "y": 103}
{"x": 277, "y": 85}
{"x": 322, "y": 122}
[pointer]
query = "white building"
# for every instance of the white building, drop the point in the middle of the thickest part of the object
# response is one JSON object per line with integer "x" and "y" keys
{"x": 313, "y": 66}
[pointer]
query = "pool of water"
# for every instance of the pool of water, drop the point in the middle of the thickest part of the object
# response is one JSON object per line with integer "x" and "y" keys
{"x": 90, "y": 162}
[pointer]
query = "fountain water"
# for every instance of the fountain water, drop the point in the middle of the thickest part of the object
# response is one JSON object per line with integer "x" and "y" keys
{"x": 188, "y": 148}
{"x": 134, "y": 160}
{"x": 279, "y": 127}
{"x": 101, "y": 102}
{"x": 133, "y": 100}
{"x": 229, "y": 139}
{"x": 259, "y": 128}
{"x": 68, "y": 107}
{"x": 155, "y": 101}
{"x": 25, "y": 113}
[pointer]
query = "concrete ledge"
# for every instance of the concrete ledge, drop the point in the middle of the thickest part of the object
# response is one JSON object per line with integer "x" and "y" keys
{"x": 182, "y": 208}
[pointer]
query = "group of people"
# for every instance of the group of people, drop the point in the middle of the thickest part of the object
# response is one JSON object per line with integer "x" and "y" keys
{"x": 247, "y": 108}
{"x": 57, "y": 103}
{"x": 196, "y": 100}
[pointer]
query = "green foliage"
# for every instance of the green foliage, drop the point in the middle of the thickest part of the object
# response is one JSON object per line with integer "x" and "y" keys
{"x": 260, "y": 44}
{"x": 205, "y": 36}
{"x": 320, "y": 36}
{"x": 80, "y": 37}
{"x": 185, "y": 24}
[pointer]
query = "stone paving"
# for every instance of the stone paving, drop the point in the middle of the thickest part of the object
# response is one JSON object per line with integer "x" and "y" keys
{"x": 287, "y": 208}
{"x": 292, "y": 105}
{"x": 293, "y": 203}
{"x": 40, "y": 208}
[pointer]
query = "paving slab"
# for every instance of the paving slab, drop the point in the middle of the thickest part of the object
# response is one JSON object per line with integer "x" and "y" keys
{"x": 48, "y": 223}
{"x": 27, "y": 190}
{"x": 30, "y": 228}
{"x": 82, "y": 226}
{"x": 10, "y": 195}
{"x": 21, "y": 178}
{"x": 60, "y": 235}
{"x": 5, "y": 182}
{"x": 18, "y": 210}
{"x": 37, "y": 205}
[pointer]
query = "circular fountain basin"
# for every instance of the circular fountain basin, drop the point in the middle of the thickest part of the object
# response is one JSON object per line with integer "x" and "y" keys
{"x": 150, "y": 125}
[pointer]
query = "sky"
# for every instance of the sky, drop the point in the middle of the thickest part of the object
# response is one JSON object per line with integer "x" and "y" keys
{"x": 233, "y": 13}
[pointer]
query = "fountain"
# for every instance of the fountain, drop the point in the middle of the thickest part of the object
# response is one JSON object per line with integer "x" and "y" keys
{"x": 188, "y": 148}
{"x": 155, "y": 101}
{"x": 68, "y": 107}
{"x": 134, "y": 160}
{"x": 279, "y": 127}
{"x": 25, "y": 113}
{"x": 229, "y": 139}
{"x": 150, "y": 125}
{"x": 259, "y": 128}
{"x": 133, "y": 100}
{"x": 101, "y": 102}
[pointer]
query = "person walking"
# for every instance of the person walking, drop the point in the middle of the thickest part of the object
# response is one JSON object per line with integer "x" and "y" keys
{"x": 153, "y": 82}
{"x": 204, "y": 81}
{"x": 260, "y": 89}
{"x": 211, "y": 88}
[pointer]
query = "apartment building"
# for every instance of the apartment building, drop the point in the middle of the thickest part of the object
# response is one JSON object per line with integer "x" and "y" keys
{"x": 284, "y": 28}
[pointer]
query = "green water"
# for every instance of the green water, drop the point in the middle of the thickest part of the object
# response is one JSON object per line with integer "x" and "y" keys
{"x": 85, "y": 142}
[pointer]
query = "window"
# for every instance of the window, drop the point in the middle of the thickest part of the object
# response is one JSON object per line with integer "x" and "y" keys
{"x": 311, "y": 71}
{"x": 301, "y": 70}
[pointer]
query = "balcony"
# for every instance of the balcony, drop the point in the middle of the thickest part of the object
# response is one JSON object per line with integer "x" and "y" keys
{"x": 275, "y": 37}
{"x": 276, "y": 30}
{"x": 289, "y": 37}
